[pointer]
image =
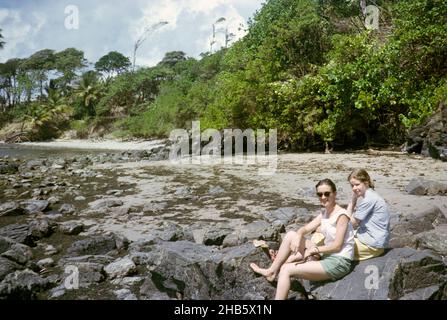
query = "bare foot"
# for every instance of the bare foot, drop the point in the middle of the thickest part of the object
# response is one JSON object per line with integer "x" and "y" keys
{"x": 269, "y": 275}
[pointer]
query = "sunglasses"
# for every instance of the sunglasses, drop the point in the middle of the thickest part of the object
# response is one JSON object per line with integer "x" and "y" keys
{"x": 326, "y": 194}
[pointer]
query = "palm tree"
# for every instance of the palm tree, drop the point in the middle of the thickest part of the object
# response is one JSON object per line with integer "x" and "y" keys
{"x": 2, "y": 43}
{"x": 89, "y": 90}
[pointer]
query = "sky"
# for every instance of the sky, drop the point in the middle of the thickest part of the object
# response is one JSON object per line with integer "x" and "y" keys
{"x": 100, "y": 26}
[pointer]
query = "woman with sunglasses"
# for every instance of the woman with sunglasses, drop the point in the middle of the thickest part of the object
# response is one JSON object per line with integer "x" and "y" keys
{"x": 370, "y": 215}
{"x": 337, "y": 251}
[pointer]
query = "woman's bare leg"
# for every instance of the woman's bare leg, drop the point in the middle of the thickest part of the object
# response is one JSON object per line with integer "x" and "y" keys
{"x": 312, "y": 270}
{"x": 283, "y": 254}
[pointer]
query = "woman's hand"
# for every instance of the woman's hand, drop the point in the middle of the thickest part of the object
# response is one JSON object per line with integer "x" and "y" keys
{"x": 311, "y": 252}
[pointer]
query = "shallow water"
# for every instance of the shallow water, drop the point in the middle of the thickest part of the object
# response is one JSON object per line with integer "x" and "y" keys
{"x": 33, "y": 152}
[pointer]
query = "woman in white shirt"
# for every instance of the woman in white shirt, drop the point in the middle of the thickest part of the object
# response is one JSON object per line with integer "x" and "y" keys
{"x": 337, "y": 252}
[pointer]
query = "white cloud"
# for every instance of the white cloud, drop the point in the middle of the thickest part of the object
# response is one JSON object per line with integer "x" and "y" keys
{"x": 14, "y": 31}
{"x": 116, "y": 25}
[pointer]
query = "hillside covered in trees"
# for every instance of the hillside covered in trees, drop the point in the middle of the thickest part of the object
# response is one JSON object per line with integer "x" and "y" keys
{"x": 312, "y": 69}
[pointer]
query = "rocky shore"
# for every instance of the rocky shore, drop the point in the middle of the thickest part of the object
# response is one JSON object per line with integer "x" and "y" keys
{"x": 131, "y": 225}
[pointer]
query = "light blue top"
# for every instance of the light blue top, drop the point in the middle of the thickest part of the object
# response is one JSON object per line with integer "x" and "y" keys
{"x": 374, "y": 216}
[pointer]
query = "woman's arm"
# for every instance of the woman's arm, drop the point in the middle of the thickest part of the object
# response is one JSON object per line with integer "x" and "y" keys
{"x": 341, "y": 228}
{"x": 351, "y": 207}
{"x": 308, "y": 228}
{"x": 311, "y": 226}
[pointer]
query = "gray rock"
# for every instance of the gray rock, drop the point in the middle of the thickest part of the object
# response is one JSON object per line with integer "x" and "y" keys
{"x": 5, "y": 244}
{"x": 71, "y": 227}
{"x": 284, "y": 216}
{"x": 11, "y": 209}
{"x": 19, "y": 233}
{"x": 430, "y": 138}
{"x": 96, "y": 245}
{"x": 7, "y": 266}
{"x": 97, "y": 259}
{"x": 216, "y": 190}
{"x": 155, "y": 207}
{"x": 404, "y": 232}
{"x": 87, "y": 273}
{"x": 22, "y": 285}
{"x": 108, "y": 203}
{"x": 35, "y": 206}
{"x": 193, "y": 271}
{"x": 398, "y": 273}
{"x": 423, "y": 187}
{"x": 8, "y": 168}
{"x": 261, "y": 230}
{"x": 45, "y": 263}
{"x": 19, "y": 253}
{"x": 120, "y": 268}
{"x": 35, "y": 164}
{"x": 67, "y": 209}
{"x": 435, "y": 240}
{"x": 125, "y": 294}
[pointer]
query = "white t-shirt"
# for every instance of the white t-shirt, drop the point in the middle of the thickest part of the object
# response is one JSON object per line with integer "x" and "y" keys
{"x": 329, "y": 228}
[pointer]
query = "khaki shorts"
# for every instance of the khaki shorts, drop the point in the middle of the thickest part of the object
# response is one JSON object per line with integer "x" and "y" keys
{"x": 363, "y": 252}
{"x": 336, "y": 266}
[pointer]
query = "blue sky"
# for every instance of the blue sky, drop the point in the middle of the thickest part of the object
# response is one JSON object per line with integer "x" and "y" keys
{"x": 115, "y": 25}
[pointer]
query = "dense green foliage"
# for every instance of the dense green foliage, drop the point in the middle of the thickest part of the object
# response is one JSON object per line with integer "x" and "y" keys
{"x": 311, "y": 69}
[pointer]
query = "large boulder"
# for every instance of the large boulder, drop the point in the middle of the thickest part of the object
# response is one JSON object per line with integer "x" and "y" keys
{"x": 194, "y": 271}
{"x": 430, "y": 138}
{"x": 22, "y": 285}
{"x": 402, "y": 273}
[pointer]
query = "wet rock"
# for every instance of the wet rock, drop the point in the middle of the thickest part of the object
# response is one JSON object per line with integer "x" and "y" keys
{"x": 11, "y": 209}
{"x": 22, "y": 285}
{"x": 35, "y": 206}
{"x": 120, "y": 268}
{"x": 397, "y": 274}
{"x": 421, "y": 187}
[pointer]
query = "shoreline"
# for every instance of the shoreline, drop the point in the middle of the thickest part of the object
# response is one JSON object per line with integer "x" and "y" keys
{"x": 102, "y": 144}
